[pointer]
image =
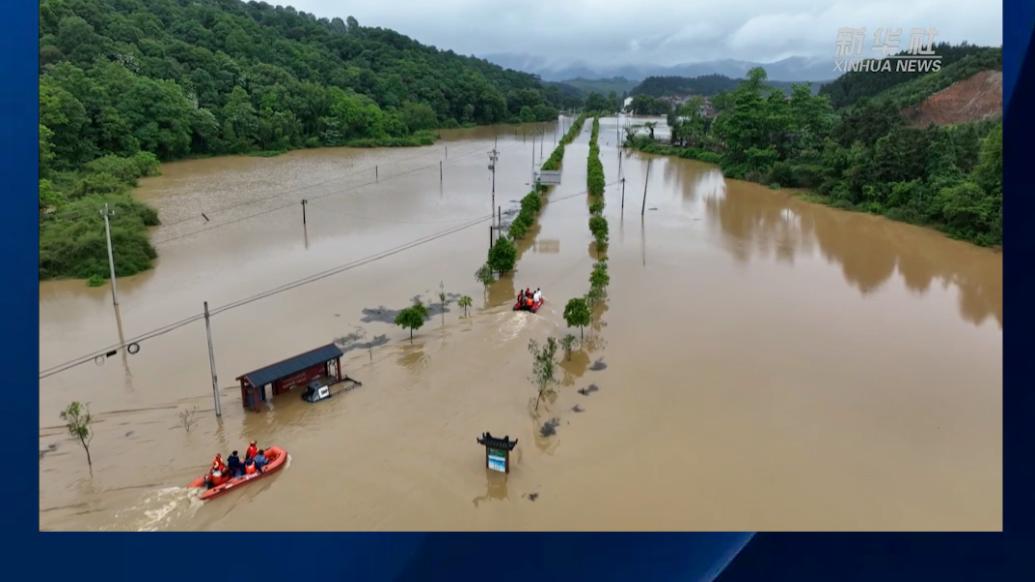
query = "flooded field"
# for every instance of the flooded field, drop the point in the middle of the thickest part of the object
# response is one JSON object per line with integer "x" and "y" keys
{"x": 761, "y": 362}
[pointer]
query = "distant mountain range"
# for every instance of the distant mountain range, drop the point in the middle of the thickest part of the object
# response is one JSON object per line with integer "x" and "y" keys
{"x": 795, "y": 69}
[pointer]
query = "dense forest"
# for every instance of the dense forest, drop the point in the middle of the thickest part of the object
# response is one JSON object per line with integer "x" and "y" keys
{"x": 856, "y": 85}
{"x": 654, "y": 96}
{"x": 704, "y": 85}
{"x": 124, "y": 83}
{"x": 616, "y": 85}
{"x": 863, "y": 157}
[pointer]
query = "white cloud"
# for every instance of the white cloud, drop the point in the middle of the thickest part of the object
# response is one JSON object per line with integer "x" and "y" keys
{"x": 660, "y": 31}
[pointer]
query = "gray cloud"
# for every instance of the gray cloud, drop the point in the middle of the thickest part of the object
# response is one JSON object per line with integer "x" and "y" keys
{"x": 662, "y": 32}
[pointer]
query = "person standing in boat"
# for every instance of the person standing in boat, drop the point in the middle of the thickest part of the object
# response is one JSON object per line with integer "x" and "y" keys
{"x": 252, "y": 449}
{"x": 235, "y": 465}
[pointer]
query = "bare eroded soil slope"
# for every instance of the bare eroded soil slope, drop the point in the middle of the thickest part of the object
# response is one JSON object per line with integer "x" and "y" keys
{"x": 976, "y": 98}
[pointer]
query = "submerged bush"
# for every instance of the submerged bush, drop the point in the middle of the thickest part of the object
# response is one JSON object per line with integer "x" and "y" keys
{"x": 73, "y": 244}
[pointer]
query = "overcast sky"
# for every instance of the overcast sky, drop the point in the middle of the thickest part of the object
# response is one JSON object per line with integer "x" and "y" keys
{"x": 664, "y": 32}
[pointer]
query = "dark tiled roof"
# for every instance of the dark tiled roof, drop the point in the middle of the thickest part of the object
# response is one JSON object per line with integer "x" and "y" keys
{"x": 496, "y": 442}
{"x": 264, "y": 376}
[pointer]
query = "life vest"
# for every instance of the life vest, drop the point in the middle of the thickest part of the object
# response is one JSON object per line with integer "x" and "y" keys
{"x": 252, "y": 449}
{"x": 249, "y": 469}
{"x": 218, "y": 478}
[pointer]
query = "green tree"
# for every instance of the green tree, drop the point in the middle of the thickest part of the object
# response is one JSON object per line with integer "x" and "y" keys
{"x": 65, "y": 118}
{"x": 598, "y": 226}
{"x": 596, "y": 102}
{"x": 599, "y": 278}
{"x": 240, "y": 122}
{"x": 576, "y": 314}
{"x": 543, "y": 366}
{"x": 79, "y": 422}
{"x": 418, "y": 116}
{"x": 502, "y": 255}
{"x": 442, "y": 300}
{"x": 568, "y": 343}
{"x": 465, "y": 303}
{"x": 484, "y": 274}
{"x": 412, "y": 318}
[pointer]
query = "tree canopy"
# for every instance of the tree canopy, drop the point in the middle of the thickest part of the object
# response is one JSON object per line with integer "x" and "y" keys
{"x": 173, "y": 79}
{"x": 577, "y": 314}
{"x": 412, "y": 318}
{"x": 865, "y": 156}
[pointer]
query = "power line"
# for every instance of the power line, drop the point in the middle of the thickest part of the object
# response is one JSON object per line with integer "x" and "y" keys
{"x": 349, "y": 173}
{"x": 356, "y": 171}
{"x": 262, "y": 295}
{"x": 351, "y": 189}
{"x": 276, "y": 290}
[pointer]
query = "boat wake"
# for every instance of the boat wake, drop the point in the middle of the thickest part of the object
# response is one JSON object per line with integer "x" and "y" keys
{"x": 159, "y": 510}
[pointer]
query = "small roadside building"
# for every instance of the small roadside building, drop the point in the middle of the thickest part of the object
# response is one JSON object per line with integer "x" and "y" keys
{"x": 286, "y": 375}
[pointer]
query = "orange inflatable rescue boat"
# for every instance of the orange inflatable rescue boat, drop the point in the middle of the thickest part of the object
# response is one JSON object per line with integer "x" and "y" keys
{"x": 276, "y": 457}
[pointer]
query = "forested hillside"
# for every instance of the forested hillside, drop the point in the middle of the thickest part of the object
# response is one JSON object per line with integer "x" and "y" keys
{"x": 704, "y": 85}
{"x": 864, "y": 157}
{"x": 125, "y": 82}
{"x": 856, "y": 85}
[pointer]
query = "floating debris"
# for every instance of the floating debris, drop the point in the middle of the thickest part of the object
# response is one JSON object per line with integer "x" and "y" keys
{"x": 577, "y": 408}
{"x": 588, "y": 390}
{"x": 550, "y": 428}
{"x": 379, "y": 314}
{"x": 598, "y": 365}
{"x": 533, "y": 496}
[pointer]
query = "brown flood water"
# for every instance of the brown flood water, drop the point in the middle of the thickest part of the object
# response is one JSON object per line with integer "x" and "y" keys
{"x": 762, "y": 363}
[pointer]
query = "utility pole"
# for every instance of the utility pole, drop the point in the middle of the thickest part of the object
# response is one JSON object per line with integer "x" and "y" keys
{"x": 304, "y": 201}
{"x": 212, "y": 363}
{"x": 532, "y": 179}
{"x": 493, "y": 156}
{"x": 375, "y": 173}
{"x": 447, "y": 152}
{"x": 111, "y": 257}
{"x": 643, "y": 208}
{"x": 440, "y": 172}
{"x": 542, "y": 138}
{"x": 623, "y": 194}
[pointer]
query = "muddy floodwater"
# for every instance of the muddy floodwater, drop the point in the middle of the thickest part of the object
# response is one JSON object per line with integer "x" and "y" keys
{"x": 761, "y": 362}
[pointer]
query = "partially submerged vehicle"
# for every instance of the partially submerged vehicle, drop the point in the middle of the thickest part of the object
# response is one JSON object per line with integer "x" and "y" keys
{"x": 320, "y": 388}
{"x": 316, "y": 391}
{"x": 276, "y": 459}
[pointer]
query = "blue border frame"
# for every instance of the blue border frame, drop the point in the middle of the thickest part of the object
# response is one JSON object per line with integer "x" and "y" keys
{"x": 737, "y": 556}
